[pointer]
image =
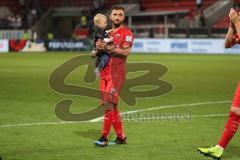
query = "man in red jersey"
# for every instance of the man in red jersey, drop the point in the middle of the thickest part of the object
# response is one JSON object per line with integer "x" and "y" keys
{"x": 233, "y": 121}
{"x": 112, "y": 77}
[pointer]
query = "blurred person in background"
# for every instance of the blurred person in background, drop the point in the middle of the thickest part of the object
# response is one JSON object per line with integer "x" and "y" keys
{"x": 199, "y": 4}
{"x": 83, "y": 20}
{"x": 202, "y": 20}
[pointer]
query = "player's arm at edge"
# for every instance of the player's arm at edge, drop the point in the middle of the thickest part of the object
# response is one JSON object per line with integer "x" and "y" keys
{"x": 234, "y": 28}
{"x": 229, "y": 37}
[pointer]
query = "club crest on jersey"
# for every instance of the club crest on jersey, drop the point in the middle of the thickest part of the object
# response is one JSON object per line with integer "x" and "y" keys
{"x": 117, "y": 36}
{"x": 128, "y": 39}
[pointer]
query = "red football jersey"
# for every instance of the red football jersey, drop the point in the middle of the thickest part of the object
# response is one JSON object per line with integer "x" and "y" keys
{"x": 236, "y": 100}
{"x": 122, "y": 37}
{"x": 236, "y": 39}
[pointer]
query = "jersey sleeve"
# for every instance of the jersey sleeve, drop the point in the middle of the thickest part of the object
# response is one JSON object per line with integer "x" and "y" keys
{"x": 127, "y": 39}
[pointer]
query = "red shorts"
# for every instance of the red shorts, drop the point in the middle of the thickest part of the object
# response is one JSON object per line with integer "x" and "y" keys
{"x": 110, "y": 87}
{"x": 236, "y": 100}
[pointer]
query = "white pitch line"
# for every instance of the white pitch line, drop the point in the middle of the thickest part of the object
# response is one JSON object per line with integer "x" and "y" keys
{"x": 177, "y": 105}
{"x": 129, "y": 112}
{"x": 210, "y": 115}
{"x": 179, "y": 118}
{"x": 165, "y": 107}
{"x": 40, "y": 124}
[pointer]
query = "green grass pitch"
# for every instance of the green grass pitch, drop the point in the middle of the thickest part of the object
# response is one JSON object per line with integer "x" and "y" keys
{"x": 25, "y": 98}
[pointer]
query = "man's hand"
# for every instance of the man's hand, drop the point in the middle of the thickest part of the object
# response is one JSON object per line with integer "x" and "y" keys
{"x": 233, "y": 15}
{"x": 102, "y": 46}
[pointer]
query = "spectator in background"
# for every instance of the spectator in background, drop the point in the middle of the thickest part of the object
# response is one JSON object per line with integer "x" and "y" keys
{"x": 37, "y": 7}
{"x": 151, "y": 33}
{"x": 83, "y": 20}
{"x": 22, "y": 4}
{"x": 184, "y": 23}
{"x": 28, "y": 16}
{"x": 202, "y": 20}
{"x": 12, "y": 22}
{"x": 30, "y": 11}
{"x": 29, "y": 20}
{"x": 33, "y": 12}
{"x": 199, "y": 4}
{"x": 50, "y": 36}
{"x": 90, "y": 22}
{"x": 26, "y": 35}
{"x": 82, "y": 23}
{"x": 191, "y": 18}
{"x": 189, "y": 21}
{"x": 3, "y": 23}
{"x": 18, "y": 22}
{"x": 96, "y": 4}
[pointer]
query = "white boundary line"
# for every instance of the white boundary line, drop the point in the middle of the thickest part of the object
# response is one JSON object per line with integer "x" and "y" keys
{"x": 172, "y": 118}
{"x": 165, "y": 107}
{"x": 38, "y": 124}
{"x": 129, "y": 112}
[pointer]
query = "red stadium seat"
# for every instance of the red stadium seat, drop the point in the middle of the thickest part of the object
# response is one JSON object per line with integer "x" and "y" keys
{"x": 81, "y": 33}
{"x": 166, "y": 5}
{"x": 12, "y": 4}
{"x": 46, "y": 4}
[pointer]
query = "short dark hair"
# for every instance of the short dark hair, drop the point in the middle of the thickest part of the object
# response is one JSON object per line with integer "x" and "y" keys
{"x": 117, "y": 8}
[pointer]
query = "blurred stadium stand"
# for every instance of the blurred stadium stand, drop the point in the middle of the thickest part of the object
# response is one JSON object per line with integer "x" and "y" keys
{"x": 72, "y": 19}
{"x": 175, "y": 5}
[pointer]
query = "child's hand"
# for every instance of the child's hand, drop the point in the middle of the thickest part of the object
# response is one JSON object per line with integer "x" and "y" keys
{"x": 111, "y": 39}
{"x": 109, "y": 48}
{"x": 100, "y": 45}
{"x": 233, "y": 15}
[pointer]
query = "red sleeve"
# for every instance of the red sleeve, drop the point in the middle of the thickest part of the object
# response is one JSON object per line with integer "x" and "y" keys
{"x": 236, "y": 39}
{"x": 127, "y": 39}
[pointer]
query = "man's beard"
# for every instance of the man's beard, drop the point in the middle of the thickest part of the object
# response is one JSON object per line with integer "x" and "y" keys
{"x": 117, "y": 25}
